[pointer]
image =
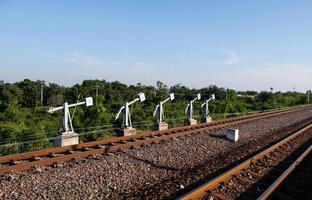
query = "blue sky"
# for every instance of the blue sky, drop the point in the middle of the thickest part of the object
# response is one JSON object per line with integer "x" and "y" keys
{"x": 237, "y": 44}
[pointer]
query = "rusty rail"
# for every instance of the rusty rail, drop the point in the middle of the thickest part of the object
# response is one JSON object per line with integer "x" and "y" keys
{"x": 25, "y": 161}
{"x": 205, "y": 189}
{"x": 266, "y": 194}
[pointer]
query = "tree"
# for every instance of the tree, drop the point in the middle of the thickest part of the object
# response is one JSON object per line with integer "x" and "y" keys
{"x": 31, "y": 92}
{"x": 10, "y": 95}
{"x": 53, "y": 95}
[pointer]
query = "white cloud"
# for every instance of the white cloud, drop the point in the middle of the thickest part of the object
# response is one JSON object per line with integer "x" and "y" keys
{"x": 291, "y": 65}
{"x": 231, "y": 59}
{"x": 275, "y": 64}
{"x": 82, "y": 60}
{"x": 280, "y": 77}
{"x": 140, "y": 63}
{"x": 129, "y": 72}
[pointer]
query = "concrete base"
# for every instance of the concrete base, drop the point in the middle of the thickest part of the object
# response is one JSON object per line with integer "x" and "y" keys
{"x": 190, "y": 122}
{"x": 126, "y": 132}
{"x": 66, "y": 139}
{"x": 232, "y": 135}
{"x": 161, "y": 126}
{"x": 206, "y": 120}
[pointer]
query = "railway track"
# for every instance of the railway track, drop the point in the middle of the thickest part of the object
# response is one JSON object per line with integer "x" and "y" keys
{"x": 260, "y": 175}
{"x": 295, "y": 182}
{"x": 25, "y": 161}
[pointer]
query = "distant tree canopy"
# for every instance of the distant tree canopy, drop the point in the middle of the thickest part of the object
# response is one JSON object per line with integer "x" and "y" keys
{"x": 23, "y": 115}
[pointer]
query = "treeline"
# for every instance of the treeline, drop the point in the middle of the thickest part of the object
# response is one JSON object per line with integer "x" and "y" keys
{"x": 24, "y": 118}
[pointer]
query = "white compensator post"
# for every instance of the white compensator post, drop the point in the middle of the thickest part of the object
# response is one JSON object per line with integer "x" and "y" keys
{"x": 160, "y": 108}
{"x": 205, "y": 105}
{"x": 67, "y": 126}
{"x": 67, "y": 134}
{"x": 127, "y": 116}
{"x": 189, "y": 107}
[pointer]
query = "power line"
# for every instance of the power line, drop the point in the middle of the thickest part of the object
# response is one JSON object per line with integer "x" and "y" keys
{"x": 46, "y": 139}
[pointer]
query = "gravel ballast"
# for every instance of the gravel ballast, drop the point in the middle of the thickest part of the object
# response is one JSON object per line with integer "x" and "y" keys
{"x": 156, "y": 171}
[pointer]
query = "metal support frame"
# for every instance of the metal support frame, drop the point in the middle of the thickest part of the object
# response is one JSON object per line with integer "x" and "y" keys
{"x": 189, "y": 107}
{"x": 160, "y": 108}
{"x": 127, "y": 116}
{"x": 67, "y": 125}
{"x": 205, "y": 105}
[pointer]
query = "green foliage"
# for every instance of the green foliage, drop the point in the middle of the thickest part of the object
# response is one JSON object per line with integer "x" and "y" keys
{"x": 24, "y": 121}
{"x": 11, "y": 95}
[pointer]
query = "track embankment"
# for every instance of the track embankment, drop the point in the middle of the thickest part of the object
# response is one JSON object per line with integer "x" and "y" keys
{"x": 156, "y": 170}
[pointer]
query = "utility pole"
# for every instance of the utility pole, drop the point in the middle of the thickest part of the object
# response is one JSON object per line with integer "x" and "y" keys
{"x": 96, "y": 94}
{"x": 41, "y": 94}
{"x": 226, "y": 93}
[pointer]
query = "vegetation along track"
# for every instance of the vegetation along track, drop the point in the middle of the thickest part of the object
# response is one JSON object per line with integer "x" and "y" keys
{"x": 25, "y": 161}
{"x": 254, "y": 177}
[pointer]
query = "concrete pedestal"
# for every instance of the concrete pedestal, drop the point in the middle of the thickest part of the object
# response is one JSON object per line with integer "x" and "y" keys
{"x": 190, "y": 122}
{"x": 126, "y": 132}
{"x": 66, "y": 139}
{"x": 161, "y": 126}
{"x": 206, "y": 119}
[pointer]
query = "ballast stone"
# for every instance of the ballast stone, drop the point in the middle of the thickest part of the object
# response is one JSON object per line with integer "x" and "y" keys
{"x": 232, "y": 135}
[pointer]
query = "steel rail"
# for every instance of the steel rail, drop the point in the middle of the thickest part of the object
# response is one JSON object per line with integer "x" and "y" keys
{"x": 203, "y": 190}
{"x": 25, "y": 161}
{"x": 266, "y": 194}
